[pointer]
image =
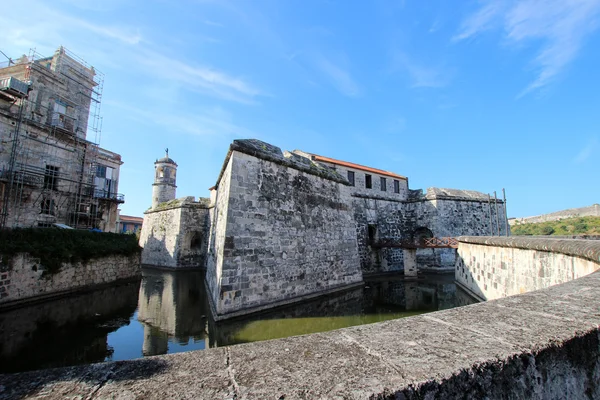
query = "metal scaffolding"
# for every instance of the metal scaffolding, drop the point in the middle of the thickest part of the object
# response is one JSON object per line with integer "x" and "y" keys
{"x": 45, "y": 136}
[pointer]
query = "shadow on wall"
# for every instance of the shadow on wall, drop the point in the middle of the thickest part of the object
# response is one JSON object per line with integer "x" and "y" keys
{"x": 189, "y": 251}
{"x": 155, "y": 252}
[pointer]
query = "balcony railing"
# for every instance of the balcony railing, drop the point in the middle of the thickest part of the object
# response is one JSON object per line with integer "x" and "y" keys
{"x": 106, "y": 195}
{"x": 26, "y": 178}
{"x": 14, "y": 86}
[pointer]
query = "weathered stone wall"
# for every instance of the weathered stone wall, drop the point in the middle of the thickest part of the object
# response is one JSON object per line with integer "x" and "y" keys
{"x": 25, "y": 278}
{"x": 53, "y": 122}
{"x": 496, "y": 267}
{"x": 539, "y": 345}
{"x": 216, "y": 243}
{"x": 288, "y": 232}
{"x": 175, "y": 234}
{"x": 439, "y": 213}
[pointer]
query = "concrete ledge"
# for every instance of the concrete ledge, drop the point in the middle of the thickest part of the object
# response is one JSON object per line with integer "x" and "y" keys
{"x": 587, "y": 249}
{"x": 543, "y": 344}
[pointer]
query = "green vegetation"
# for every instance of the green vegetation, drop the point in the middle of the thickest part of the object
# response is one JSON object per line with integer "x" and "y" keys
{"x": 567, "y": 226}
{"x": 55, "y": 246}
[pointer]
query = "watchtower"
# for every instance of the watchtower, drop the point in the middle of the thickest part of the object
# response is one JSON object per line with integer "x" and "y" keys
{"x": 165, "y": 177}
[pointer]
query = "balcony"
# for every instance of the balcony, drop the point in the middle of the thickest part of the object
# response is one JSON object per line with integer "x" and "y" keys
{"x": 63, "y": 122}
{"x": 14, "y": 87}
{"x": 21, "y": 177}
{"x": 110, "y": 196}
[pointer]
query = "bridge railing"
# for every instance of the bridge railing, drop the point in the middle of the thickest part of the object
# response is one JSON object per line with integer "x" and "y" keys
{"x": 423, "y": 243}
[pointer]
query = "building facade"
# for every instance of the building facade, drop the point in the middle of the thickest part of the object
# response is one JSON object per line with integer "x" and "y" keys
{"x": 286, "y": 226}
{"x": 51, "y": 168}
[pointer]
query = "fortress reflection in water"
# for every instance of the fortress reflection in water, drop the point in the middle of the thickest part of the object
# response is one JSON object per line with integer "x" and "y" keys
{"x": 172, "y": 316}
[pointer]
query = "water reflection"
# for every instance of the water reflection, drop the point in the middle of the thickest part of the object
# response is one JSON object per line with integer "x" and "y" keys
{"x": 172, "y": 316}
{"x": 172, "y": 308}
{"x": 67, "y": 331}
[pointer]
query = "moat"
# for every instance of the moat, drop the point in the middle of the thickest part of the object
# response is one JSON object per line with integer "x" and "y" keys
{"x": 167, "y": 312}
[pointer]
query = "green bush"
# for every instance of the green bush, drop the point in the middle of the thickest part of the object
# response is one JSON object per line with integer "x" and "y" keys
{"x": 55, "y": 246}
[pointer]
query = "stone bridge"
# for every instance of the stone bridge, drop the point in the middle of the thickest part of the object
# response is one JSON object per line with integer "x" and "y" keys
{"x": 543, "y": 343}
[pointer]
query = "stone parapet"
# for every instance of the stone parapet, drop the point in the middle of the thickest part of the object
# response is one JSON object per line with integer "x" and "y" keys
{"x": 587, "y": 249}
{"x": 268, "y": 152}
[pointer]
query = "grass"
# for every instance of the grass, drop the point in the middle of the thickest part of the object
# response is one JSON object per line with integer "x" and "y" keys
{"x": 56, "y": 246}
{"x": 566, "y": 226}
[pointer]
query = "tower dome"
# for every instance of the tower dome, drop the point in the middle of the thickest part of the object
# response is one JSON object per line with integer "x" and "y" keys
{"x": 165, "y": 178}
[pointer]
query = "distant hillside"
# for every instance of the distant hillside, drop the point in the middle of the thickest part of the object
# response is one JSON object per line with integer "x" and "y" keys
{"x": 590, "y": 211}
{"x": 566, "y": 226}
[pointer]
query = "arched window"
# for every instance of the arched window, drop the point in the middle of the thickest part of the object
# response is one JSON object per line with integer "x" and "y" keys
{"x": 421, "y": 234}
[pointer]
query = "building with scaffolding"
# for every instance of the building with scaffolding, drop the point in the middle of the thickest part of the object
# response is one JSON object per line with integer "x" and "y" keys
{"x": 52, "y": 169}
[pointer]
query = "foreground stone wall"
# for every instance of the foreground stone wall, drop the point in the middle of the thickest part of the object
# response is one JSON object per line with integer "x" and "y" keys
{"x": 539, "y": 345}
{"x": 25, "y": 278}
{"x": 288, "y": 232}
{"x": 496, "y": 267}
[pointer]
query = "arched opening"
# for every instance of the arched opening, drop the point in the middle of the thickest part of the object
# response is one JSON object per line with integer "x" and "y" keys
{"x": 372, "y": 233}
{"x": 196, "y": 241}
{"x": 421, "y": 234}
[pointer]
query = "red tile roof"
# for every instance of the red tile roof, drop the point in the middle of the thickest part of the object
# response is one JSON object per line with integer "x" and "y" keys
{"x": 128, "y": 218}
{"x": 357, "y": 166}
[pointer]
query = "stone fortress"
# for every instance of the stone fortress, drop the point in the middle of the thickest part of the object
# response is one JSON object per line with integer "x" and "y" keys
{"x": 281, "y": 227}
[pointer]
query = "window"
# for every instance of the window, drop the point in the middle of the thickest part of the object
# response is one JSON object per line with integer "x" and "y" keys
{"x": 396, "y": 186}
{"x": 101, "y": 171}
{"x": 351, "y": 177}
{"x": 383, "y": 184}
{"x": 368, "y": 181}
{"x": 47, "y": 206}
{"x": 51, "y": 177}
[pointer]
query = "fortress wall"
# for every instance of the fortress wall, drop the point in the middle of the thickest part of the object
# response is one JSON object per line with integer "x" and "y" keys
{"x": 386, "y": 220}
{"x": 496, "y": 267}
{"x": 289, "y": 234}
{"x": 159, "y": 237}
{"x": 175, "y": 234}
{"x": 216, "y": 243}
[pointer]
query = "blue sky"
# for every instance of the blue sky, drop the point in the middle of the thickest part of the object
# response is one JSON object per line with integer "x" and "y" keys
{"x": 476, "y": 95}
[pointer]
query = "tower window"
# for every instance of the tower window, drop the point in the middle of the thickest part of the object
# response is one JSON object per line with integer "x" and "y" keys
{"x": 351, "y": 177}
{"x": 368, "y": 181}
{"x": 383, "y": 184}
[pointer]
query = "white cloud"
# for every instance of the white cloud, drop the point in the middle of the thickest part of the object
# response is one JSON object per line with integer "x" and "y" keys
{"x": 586, "y": 152}
{"x": 558, "y": 27}
{"x": 339, "y": 77}
{"x": 481, "y": 20}
{"x": 421, "y": 75}
{"x": 199, "y": 78}
{"x": 212, "y": 122}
